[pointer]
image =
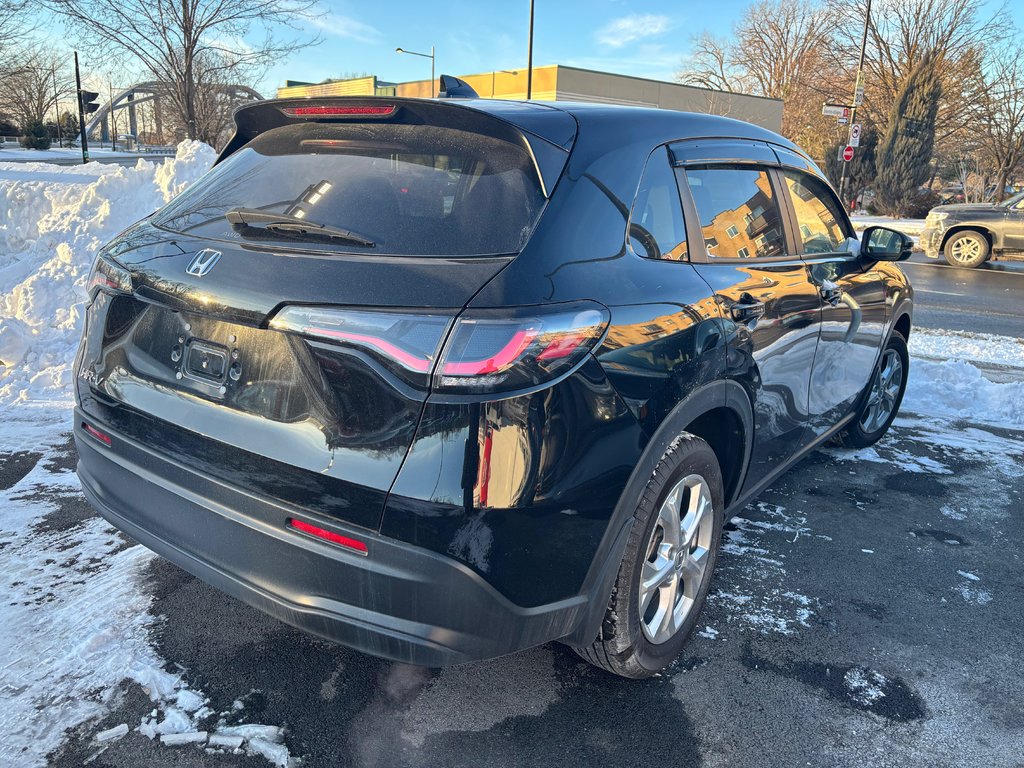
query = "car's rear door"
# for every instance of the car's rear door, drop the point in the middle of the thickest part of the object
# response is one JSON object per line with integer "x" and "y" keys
{"x": 853, "y": 307}
{"x": 731, "y": 193}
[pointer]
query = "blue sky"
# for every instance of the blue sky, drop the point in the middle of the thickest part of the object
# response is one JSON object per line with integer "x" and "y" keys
{"x": 647, "y": 39}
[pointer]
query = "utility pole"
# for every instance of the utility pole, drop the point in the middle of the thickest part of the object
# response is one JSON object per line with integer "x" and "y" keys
{"x": 529, "y": 59}
{"x": 856, "y": 91}
{"x": 81, "y": 115}
{"x": 56, "y": 105}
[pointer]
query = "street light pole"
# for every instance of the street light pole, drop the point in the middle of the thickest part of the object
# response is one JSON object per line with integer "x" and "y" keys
{"x": 425, "y": 56}
{"x": 529, "y": 58}
{"x": 856, "y": 88}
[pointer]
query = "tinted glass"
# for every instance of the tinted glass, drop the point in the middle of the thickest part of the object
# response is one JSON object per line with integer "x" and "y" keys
{"x": 817, "y": 214}
{"x": 411, "y": 189}
{"x": 656, "y": 228}
{"x": 739, "y": 214}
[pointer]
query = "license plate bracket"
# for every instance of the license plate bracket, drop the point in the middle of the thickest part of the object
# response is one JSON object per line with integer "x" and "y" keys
{"x": 206, "y": 361}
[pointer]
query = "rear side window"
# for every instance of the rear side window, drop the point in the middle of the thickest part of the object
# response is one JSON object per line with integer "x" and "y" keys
{"x": 656, "y": 228}
{"x": 817, "y": 214}
{"x": 408, "y": 189}
{"x": 739, "y": 212}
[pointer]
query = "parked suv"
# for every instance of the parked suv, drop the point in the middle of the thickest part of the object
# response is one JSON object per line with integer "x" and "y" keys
{"x": 970, "y": 234}
{"x": 445, "y": 379}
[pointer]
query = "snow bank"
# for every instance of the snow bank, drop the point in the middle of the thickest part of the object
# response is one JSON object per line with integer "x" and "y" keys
{"x": 978, "y": 348}
{"x": 954, "y": 389}
{"x": 53, "y": 219}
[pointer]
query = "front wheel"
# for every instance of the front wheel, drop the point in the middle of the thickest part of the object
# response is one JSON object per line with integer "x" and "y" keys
{"x": 882, "y": 401}
{"x": 967, "y": 249}
{"x": 665, "y": 574}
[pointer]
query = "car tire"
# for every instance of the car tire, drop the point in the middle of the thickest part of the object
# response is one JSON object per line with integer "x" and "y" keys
{"x": 881, "y": 401}
{"x": 968, "y": 249}
{"x": 637, "y": 645}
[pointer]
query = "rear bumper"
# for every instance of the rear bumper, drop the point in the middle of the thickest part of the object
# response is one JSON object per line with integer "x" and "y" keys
{"x": 398, "y": 601}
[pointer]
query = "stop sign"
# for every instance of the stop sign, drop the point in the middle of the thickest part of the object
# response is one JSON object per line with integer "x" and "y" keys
{"x": 848, "y": 154}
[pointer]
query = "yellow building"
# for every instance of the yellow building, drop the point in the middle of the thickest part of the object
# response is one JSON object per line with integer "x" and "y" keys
{"x": 560, "y": 83}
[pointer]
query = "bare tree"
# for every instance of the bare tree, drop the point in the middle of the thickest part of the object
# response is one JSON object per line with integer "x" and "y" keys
{"x": 13, "y": 27}
{"x": 778, "y": 49}
{"x": 710, "y": 65}
{"x": 1002, "y": 112}
{"x": 32, "y": 85}
{"x": 180, "y": 42}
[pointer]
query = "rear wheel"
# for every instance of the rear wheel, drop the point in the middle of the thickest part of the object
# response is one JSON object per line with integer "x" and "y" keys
{"x": 882, "y": 401}
{"x": 665, "y": 574}
{"x": 968, "y": 249}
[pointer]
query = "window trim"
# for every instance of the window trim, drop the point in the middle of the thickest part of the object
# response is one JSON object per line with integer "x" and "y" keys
{"x": 700, "y": 255}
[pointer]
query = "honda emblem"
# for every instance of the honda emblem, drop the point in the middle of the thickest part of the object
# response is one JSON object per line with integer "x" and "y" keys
{"x": 203, "y": 262}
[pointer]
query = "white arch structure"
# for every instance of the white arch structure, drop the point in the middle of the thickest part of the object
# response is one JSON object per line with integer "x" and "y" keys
{"x": 154, "y": 91}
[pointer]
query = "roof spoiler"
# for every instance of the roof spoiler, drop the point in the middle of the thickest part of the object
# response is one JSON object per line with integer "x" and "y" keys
{"x": 453, "y": 88}
{"x": 259, "y": 116}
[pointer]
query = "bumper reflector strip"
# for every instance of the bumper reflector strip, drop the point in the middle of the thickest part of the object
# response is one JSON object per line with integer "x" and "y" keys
{"x": 93, "y": 432}
{"x": 333, "y": 538}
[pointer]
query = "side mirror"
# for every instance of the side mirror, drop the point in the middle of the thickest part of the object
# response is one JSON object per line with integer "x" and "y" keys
{"x": 884, "y": 244}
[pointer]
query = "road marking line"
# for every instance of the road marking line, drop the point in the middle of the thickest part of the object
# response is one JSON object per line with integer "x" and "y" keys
{"x": 944, "y": 293}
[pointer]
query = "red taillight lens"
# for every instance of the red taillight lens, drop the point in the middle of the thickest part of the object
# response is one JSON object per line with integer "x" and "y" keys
{"x": 108, "y": 276}
{"x": 503, "y": 350}
{"x": 379, "y": 110}
{"x": 334, "y": 538}
{"x": 407, "y": 343}
{"x": 486, "y": 351}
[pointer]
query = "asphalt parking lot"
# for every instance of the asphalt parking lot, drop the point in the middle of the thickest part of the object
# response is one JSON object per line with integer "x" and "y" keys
{"x": 866, "y": 611}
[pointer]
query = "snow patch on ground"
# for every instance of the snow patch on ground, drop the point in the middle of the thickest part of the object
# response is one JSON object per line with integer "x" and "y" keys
{"x": 954, "y": 389}
{"x": 912, "y": 227}
{"x": 865, "y": 685}
{"x": 751, "y": 561}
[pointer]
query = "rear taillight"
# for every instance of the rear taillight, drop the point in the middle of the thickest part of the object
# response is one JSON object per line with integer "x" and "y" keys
{"x": 407, "y": 343}
{"x": 504, "y": 350}
{"x": 480, "y": 351}
{"x": 108, "y": 276}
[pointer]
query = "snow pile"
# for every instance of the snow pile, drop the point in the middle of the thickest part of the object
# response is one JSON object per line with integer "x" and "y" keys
{"x": 53, "y": 219}
{"x": 978, "y": 348}
{"x": 955, "y": 389}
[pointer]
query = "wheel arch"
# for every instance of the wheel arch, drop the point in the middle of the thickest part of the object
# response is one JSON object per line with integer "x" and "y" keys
{"x": 717, "y": 410}
{"x": 981, "y": 229}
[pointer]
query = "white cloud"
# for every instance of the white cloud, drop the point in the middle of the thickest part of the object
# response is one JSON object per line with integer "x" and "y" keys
{"x": 628, "y": 29}
{"x": 346, "y": 27}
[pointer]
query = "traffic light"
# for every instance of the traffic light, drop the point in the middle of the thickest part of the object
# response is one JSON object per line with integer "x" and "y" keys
{"x": 89, "y": 103}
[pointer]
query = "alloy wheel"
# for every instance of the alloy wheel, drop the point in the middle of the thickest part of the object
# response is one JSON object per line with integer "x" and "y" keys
{"x": 966, "y": 250}
{"x": 677, "y": 558}
{"x": 885, "y": 388}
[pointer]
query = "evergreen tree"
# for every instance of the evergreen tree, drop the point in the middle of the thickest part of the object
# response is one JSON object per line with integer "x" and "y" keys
{"x": 905, "y": 152}
{"x": 36, "y": 136}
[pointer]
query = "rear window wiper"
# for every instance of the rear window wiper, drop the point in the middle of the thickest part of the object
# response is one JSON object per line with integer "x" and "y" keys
{"x": 293, "y": 226}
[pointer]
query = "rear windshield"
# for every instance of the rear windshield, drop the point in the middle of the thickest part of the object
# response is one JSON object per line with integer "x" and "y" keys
{"x": 408, "y": 189}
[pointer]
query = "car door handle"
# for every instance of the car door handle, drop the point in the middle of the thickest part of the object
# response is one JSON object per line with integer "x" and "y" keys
{"x": 746, "y": 309}
{"x": 832, "y": 295}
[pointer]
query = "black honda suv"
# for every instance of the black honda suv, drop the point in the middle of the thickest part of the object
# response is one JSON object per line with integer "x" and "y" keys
{"x": 445, "y": 379}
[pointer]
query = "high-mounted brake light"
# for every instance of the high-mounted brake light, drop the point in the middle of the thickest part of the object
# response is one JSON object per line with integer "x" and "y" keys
{"x": 334, "y": 538}
{"x": 380, "y": 110}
